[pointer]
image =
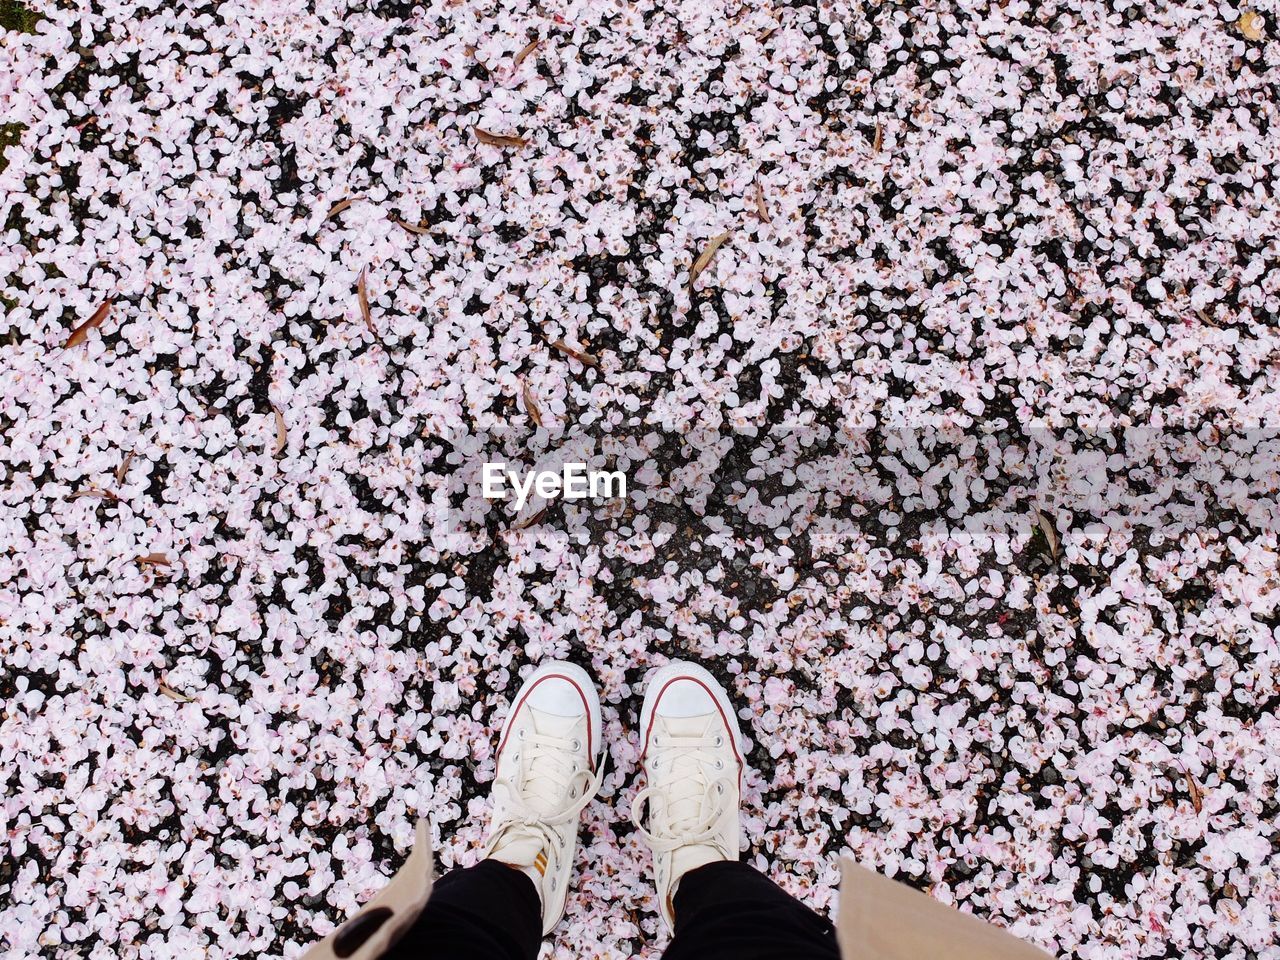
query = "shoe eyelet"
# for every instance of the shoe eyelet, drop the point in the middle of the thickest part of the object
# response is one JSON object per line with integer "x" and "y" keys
{"x": 719, "y": 764}
{"x": 577, "y": 744}
{"x": 719, "y": 741}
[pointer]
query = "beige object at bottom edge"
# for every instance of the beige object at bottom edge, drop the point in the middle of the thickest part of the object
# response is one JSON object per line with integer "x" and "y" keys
{"x": 879, "y": 919}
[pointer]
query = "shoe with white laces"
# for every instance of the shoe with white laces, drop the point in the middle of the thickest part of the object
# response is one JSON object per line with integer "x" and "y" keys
{"x": 550, "y": 764}
{"x": 692, "y": 758}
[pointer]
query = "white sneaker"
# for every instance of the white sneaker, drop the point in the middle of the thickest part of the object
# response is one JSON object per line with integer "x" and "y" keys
{"x": 690, "y": 750}
{"x": 549, "y": 767}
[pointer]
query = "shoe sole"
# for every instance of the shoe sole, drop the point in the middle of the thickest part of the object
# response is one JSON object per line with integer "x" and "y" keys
{"x": 663, "y": 677}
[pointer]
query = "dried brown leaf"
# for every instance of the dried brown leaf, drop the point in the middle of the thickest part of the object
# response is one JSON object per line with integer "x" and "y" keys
{"x": 81, "y": 333}
{"x": 153, "y": 560}
{"x": 341, "y": 205}
{"x": 1197, "y": 797}
{"x": 96, "y": 494}
{"x": 584, "y": 358}
{"x": 123, "y": 470}
{"x": 1050, "y": 534}
{"x": 282, "y": 432}
{"x": 524, "y": 53}
{"x": 531, "y": 520}
{"x": 362, "y": 292}
{"x": 879, "y": 142}
{"x": 530, "y": 404}
{"x": 704, "y": 258}
{"x": 1251, "y": 25}
{"x": 498, "y": 139}
{"x": 173, "y": 694}
{"x": 417, "y": 228}
{"x": 762, "y": 208}
{"x": 1193, "y": 788}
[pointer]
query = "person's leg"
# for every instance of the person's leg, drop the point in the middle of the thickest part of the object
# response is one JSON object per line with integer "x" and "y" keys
{"x": 475, "y": 913}
{"x": 690, "y": 749}
{"x": 731, "y": 911}
{"x": 549, "y": 767}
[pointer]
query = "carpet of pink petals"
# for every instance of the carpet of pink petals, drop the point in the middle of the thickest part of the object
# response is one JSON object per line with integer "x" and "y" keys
{"x": 238, "y": 659}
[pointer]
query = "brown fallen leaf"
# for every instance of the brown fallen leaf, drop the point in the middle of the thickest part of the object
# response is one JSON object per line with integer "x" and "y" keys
{"x": 704, "y": 258}
{"x": 1050, "y": 534}
{"x": 362, "y": 292}
{"x": 762, "y": 208}
{"x": 282, "y": 432}
{"x": 1193, "y": 788}
{"x": 341, "y": 205}
{"x": 524, "y": 53}
{"x": 153, "y": 560}
{"x": 96, "y": 494}
{"x": 81, "y": 333}
{"x": 498, "y": 139}
{"x": 531, "y": 520}
{"x": 123, "y": 470}
{"x": 173, "y": 694}
{"x": 879, "y": 142}
{"x": 417, "y": 228}
{"x": 584, "y": 358}
{"x": 1251, "y": 25}
{"x": 530, "y": 404}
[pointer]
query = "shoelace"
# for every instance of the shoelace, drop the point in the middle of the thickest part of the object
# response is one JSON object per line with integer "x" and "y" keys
{"x": 523, "y": 820}
{"x": 700, "y": 826}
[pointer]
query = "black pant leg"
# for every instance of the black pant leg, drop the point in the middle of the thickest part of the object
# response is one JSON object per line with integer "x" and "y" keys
{"x": 486, "y": 912}
{"x": 731, "y": 911}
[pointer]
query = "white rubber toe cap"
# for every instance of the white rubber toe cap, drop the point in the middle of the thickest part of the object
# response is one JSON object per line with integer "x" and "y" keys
{"x": 561, "y": 689}
{"x": 684, "y": 697}
{"x": 682, "y": 689}
{"x": 559, "y": 697}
